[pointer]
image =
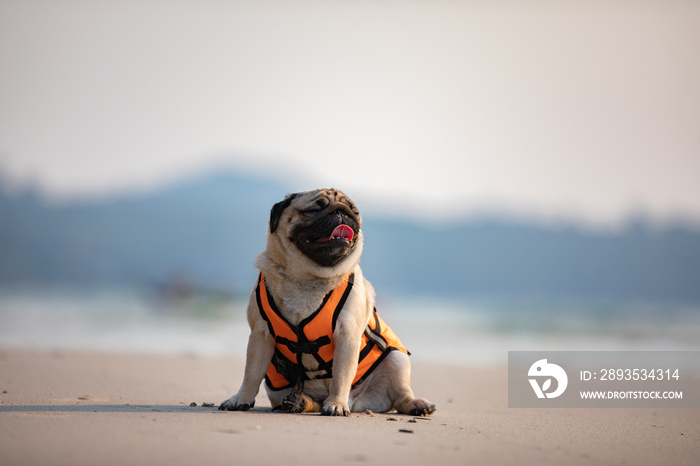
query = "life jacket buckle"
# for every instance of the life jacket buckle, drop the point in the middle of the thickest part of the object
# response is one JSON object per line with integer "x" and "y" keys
{"x": 306, "y": 347}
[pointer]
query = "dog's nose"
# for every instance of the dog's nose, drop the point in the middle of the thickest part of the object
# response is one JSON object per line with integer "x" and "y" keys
{"x": 343, "y": 212}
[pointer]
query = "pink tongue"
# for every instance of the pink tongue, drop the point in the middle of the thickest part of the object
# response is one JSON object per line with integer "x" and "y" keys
{"x": 344, "y": 232}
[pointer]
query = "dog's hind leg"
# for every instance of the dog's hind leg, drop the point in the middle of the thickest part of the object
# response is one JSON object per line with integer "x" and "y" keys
{"x": 374, "y": 394}
{"x": 389, "y": 387}
{"x": 403, "y": 399}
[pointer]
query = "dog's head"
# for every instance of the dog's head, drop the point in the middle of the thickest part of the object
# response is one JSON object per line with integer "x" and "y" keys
{"x": 321, "y": 226}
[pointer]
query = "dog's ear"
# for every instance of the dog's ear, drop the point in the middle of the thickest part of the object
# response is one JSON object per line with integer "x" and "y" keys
{"x": 277, "y": 210}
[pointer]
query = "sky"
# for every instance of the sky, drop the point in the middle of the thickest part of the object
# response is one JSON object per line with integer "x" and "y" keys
{"x": 584, "y": 111}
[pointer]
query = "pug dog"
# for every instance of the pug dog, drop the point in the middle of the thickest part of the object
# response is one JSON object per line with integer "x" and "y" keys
{"x": 315, "y": 335}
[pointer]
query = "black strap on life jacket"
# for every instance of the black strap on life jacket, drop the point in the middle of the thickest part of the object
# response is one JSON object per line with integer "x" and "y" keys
{"x": 375, "y": 335}
{"x": 307, "y": 347}
{"x": 296, "y": 373}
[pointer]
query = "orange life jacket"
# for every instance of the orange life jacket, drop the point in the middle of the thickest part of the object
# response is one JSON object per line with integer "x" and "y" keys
{"x": 314, "y": 336}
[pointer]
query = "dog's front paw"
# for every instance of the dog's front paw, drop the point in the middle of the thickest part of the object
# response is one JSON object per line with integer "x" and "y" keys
{"x": 335, "y": 409}
{"x": 236, "y": 404}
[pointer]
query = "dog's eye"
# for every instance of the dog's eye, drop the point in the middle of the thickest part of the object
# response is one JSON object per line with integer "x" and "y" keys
{"x": 310, "y": 211}
{"x": 317, "y": 206}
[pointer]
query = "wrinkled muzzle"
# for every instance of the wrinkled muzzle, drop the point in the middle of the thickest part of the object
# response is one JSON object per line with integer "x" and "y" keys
{"x": 330, "y": 236}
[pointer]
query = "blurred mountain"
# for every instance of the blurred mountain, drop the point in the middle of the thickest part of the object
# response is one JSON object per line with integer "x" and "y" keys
{"x": 208, "y": 229}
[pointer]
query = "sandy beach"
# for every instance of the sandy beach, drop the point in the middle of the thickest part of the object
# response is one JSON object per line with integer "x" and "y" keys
{"x": 92, "y": 408}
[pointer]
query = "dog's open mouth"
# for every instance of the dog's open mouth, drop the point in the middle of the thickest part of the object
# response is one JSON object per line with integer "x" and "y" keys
{"x": 327, "y": 240}
{"x": 339, "y": 233}
{"x": 342, "y": 235}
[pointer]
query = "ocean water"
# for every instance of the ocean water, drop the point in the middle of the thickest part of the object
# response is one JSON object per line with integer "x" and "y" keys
{"x": 466, "y": 331}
